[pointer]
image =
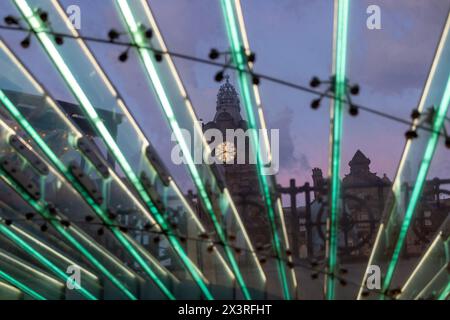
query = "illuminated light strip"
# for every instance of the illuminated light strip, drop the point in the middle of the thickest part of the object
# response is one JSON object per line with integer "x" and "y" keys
{"x": 52, "y": 251}
{"x": 232, "y": 32}
{"x": 21, "y": 286}
{"x": 130, "y": 118}
{"x": 341, "y": 9}
{"x": 30, "y": 250}
{"x": 398, "y": 180}
{"x": 167, "y": 108}
{"x": 419, "y": 184}
{"x": 135, "y": 201}
{"x": 262, "y": 121}
{"x": 90, "y": 111}
{"x": 73, "y": 31}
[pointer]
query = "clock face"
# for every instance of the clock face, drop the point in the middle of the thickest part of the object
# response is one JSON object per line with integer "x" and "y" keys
{"x": 225, "y": 152}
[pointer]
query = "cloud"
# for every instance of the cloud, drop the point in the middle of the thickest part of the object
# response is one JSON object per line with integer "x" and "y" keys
{"x": 290, "y": 159}
{"x": 304, "y": 162}
{"x": 398, "y": 56}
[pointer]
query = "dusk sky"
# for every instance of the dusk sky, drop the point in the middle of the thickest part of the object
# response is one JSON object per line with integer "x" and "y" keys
{"x": 293, "y": 41}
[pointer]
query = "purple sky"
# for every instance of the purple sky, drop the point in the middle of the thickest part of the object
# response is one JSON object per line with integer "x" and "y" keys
{"x": 293, "y": 41}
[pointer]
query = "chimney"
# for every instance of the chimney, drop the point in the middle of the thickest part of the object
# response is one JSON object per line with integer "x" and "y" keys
{"x": 318, "y": 182}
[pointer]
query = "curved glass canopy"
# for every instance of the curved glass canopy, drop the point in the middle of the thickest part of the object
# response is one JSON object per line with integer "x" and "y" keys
{"x": 85, "y": 181}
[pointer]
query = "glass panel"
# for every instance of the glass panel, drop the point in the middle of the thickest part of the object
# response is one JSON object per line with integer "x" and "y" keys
{"x": 178, "y": 111}
{"x": 430, "y": 277}
{"x": 284, "y": 50}
{"x": 260, "y": 153}
{"x": 410, "y": 183}
{"x": 134, "y": 164}
{"x": 39, "y": 286}
{"x": 52, "y": 187}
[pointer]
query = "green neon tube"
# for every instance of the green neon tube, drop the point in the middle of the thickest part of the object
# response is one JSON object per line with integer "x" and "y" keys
{"x": 92, "y": 115}
{"x": 420, "y": 182}
{"x": 139, "y": 39}
{"x": 168, "y": 76}
{"x": 233, "y": 35}
{"x": 339, "y": 62}
{"x": 29, "y": 249}
{"x": 21, "y": 286}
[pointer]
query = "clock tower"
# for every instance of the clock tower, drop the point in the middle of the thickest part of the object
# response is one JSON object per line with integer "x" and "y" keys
{"x": 241, "y": 179}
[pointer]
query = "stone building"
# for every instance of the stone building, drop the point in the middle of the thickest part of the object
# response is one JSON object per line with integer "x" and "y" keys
{"x": 364, "y": 198}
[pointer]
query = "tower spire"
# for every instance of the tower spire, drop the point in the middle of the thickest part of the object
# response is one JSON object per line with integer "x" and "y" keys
{"x": 228, "y": 103}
